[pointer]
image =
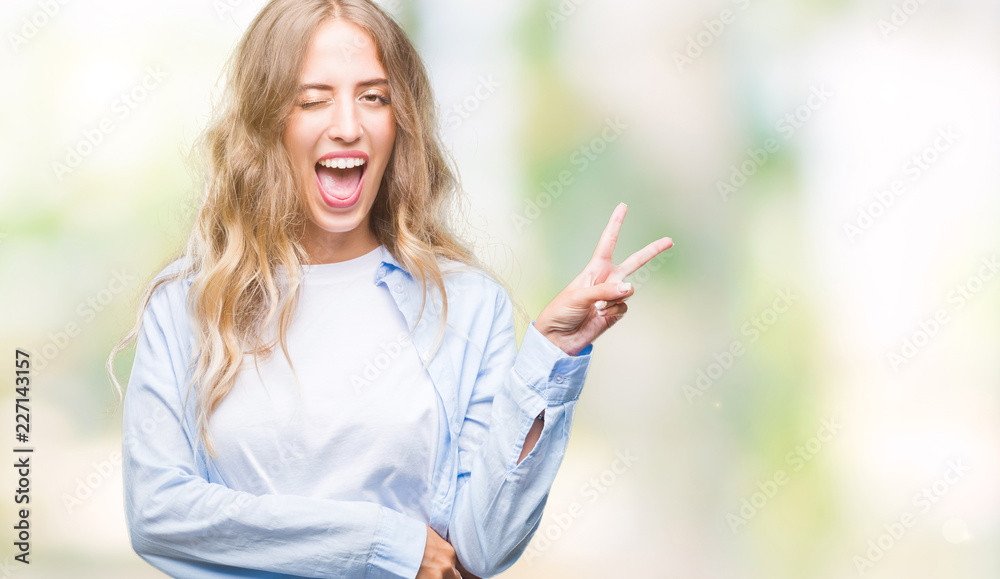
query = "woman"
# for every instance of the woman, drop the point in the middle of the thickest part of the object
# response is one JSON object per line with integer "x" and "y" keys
{"x": 417, "y": 441}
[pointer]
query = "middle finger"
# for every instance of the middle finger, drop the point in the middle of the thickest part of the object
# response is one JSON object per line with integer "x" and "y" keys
{"x": 641, "y": 258}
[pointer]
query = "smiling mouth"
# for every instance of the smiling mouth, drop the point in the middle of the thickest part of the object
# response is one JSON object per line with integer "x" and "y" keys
{"x": 340, "y": 177}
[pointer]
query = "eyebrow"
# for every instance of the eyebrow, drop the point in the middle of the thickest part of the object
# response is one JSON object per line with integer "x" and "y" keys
{"x": 365, "y": 83}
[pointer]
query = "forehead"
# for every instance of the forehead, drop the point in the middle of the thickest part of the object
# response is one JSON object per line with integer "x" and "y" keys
{"x": 340, "y": 49}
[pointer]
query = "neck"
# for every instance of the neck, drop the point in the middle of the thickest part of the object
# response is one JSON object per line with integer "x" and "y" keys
{"x": 330, "y": 247}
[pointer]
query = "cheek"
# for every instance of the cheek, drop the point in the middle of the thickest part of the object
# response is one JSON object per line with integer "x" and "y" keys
{"x": 381, "y": 127}
{"x": 388, "y": 137}
{"x": 300, "y": 140}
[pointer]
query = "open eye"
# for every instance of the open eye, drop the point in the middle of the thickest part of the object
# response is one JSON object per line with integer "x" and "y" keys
{"x": 375, "y": 97}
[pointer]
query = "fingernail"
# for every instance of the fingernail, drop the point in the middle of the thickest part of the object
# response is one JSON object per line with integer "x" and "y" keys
{"x": 602, "y": 313}
{"x": 601, "y": 304}
{"x": 624, "y": 287}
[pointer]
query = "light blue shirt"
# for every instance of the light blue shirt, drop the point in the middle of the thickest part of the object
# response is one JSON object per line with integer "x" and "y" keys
{"x": 184, "y": 521}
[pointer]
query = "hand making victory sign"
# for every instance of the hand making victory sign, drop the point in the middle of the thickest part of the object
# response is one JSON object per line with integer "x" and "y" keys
{"x": 594, "y": 301}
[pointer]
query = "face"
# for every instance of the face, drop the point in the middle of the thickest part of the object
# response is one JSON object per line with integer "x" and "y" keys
{"x": 340, "y": 135}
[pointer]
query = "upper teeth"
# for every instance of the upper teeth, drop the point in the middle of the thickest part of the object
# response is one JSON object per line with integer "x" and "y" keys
{"x": 342, "y": 162}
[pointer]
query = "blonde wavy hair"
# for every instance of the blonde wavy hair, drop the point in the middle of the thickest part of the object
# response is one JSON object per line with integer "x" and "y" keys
{"x": 252, "y": 218}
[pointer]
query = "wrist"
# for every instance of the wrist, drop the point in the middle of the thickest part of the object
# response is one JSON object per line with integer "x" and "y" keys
{"x": 557, "y": 339}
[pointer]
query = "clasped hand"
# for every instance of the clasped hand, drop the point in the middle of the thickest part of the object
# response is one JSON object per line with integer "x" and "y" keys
{"x": 440, "y": 561}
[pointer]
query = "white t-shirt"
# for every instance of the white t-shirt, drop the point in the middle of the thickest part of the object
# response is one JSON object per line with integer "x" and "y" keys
{"x": 366, "y": 425}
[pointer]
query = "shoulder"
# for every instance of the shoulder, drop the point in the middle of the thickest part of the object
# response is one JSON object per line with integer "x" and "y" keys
{"x": 469, "y": 283}
{"x": 176, "y": 276}
{"x": 169, "y": 297}
{"x": 480, "y": 310}
{"x": 176, "y": 266}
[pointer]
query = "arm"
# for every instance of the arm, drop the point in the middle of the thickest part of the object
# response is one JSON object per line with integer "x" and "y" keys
{"x": 188, "y": 527}
{"x": 501, "y": 494}
{"x": 504, "y": 473}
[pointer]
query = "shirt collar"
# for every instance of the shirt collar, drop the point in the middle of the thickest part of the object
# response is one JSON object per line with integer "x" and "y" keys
{"x": 388, "y": 263}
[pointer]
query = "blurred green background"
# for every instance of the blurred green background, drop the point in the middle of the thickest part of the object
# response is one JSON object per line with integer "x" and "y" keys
{"x": 806, "y": 385}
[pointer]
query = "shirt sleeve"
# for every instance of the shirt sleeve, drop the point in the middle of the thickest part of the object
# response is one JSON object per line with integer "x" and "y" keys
{"x": 188, "y": 527}
{"x": 499, "y": 502}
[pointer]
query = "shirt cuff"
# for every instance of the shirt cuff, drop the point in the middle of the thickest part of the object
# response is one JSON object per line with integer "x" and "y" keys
{"x": 554, "y": 374}
{"x": 400, "y": 547}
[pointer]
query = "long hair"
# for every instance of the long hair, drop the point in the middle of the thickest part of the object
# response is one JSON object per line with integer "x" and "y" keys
{"x": 249, "y": 227}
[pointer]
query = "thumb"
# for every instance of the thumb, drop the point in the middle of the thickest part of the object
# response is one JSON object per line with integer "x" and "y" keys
{"x": 606, "y": 291}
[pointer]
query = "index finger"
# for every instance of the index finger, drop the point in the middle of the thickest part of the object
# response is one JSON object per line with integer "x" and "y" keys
{"x": 606, "y": 246}
{"x": 641, "y": 258}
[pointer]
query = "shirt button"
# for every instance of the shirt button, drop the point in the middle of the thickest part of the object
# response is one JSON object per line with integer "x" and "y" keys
{"x": 558, "y": 379}
{"x": 398, "y": 287}
{"x": 381, "y": 271}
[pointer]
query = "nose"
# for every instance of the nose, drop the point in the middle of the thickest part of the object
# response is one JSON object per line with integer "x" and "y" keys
{"x": 345, "y": 124}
